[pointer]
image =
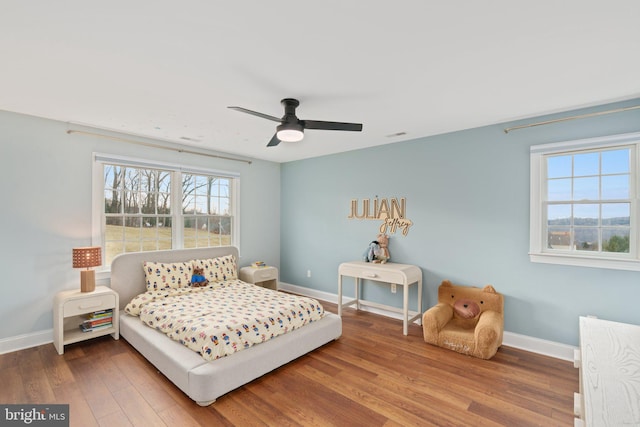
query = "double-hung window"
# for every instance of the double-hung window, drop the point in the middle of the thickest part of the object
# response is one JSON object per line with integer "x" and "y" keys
{"x": 148, "y": 206}
{"x": 584, "y": 202}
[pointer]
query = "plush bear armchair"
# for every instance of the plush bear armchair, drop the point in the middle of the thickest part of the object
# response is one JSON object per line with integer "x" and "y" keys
{"x": 466, "y": 319}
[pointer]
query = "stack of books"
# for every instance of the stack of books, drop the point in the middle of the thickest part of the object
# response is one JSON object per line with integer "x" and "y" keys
{"x": 259, "y": 264}
{"x": 97, "y": 320}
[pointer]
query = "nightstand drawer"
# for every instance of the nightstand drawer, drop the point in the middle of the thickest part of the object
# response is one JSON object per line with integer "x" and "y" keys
{"x": 267, "y": 277}
{"x": 87, "y": 305}
{"x": 267, "y": 274}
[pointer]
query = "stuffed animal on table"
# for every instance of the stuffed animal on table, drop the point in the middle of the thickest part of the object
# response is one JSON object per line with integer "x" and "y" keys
{"x": 370, "y": 254}
{"x": 382, "y": 255}
{"x": 198, "y": 279}
{"x": 378, "y": 251}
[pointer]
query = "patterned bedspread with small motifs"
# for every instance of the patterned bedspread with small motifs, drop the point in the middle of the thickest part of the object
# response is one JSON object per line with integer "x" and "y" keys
{"x": 224, "y": 317}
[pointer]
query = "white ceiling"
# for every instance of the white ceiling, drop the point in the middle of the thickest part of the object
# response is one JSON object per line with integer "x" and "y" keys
{"x": 168, "y": 69}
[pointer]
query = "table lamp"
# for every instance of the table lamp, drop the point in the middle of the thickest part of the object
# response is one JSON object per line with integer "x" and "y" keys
{"x": 87, "y": 257}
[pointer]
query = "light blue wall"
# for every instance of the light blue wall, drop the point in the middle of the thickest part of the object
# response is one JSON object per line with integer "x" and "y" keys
{"x": 468, "y": 196}
{"x": 46, "y": 211}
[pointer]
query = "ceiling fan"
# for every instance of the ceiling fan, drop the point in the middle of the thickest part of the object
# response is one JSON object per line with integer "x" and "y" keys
{"x": 291, "y": 128}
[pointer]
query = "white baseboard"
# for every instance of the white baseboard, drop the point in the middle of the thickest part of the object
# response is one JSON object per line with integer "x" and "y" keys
{"x": 539, "y": 346}
{"x": 307, "y": 292}
{"x": 510, "y": 339}
{"x": 20, "y": 342}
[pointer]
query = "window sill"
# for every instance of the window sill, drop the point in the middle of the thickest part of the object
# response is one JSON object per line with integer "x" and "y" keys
{"x": 585, "y": 261}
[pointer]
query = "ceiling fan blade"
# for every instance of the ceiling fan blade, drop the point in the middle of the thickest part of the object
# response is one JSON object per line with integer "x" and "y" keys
{"x": 274, "y": 141}
{"x": 316, "y": 124}
{"x": 256, "y": 113}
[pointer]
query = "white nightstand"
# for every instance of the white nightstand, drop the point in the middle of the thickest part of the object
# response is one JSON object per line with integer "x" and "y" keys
{"x": 70, "y": 309}
{"x": 267, "y": 277}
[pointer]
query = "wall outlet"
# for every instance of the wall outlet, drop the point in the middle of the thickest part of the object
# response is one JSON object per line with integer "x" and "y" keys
{"x": 393, "y": 288}
{"x": 308, "y": 273}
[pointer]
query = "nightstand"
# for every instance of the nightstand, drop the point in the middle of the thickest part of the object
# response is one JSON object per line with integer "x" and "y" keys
{"x": 267, "y": 277}
{"x": 69, "y": 312}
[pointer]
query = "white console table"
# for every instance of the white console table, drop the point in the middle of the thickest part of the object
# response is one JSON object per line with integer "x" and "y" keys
{"x": 403, "y": 275}
{"x": 609, "y": 363}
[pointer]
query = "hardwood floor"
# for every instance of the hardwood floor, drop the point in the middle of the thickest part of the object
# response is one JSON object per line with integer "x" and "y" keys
{"x": 371, "y": 376}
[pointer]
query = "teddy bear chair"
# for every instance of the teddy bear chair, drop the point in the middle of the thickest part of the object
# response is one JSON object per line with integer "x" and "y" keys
{"x": 466, "y": 319}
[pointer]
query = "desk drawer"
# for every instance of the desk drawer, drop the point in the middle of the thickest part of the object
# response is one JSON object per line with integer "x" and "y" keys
{"x": 372, "y": 273}
{"x": 87, "y": 305}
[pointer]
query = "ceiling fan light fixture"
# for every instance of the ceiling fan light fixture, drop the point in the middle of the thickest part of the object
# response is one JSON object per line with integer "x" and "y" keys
{"x": 288, "y": 132}
{"x": 291, "y": 128}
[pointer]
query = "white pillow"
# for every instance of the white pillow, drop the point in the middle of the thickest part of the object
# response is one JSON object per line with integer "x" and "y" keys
{"x": 218, "y": 269}
{"x": 162, "y": 275}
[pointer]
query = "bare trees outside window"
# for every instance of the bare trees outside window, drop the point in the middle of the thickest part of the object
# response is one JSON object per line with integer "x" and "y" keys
{"x": 144, "y": 209}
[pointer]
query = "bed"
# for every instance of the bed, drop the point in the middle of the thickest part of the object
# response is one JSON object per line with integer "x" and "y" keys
{"x": 204, "y": 381}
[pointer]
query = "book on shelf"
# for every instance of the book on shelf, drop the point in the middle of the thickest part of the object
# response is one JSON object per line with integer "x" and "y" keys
{"x": 100, "y": 314}
{"x": 97, "y": 322}
{"x": 88, "y": 328}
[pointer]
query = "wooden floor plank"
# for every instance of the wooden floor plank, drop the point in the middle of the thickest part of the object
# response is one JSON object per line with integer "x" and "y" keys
{"x": 91, "y": 383}
{"x": 175, "y": 415}
{"x": 137, "y": 409}
{"x": 376, "y": 400}
{"x": 118, "y": 419}
{"x": 138, "y": 374}
{"x": 32, "y": 371}
{"x": 12, "y": 390}
{"x": 80, "y": 412}
{"x": 372, "y": 376}
{"x": 262, "y": 409}
{"x": 56, "y": 368}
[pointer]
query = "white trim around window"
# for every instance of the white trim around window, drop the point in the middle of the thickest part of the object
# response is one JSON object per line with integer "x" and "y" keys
{"x": 538, "y": 250}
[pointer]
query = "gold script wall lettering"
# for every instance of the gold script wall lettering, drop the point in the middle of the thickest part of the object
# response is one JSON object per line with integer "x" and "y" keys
{"x": 391, "y": 212}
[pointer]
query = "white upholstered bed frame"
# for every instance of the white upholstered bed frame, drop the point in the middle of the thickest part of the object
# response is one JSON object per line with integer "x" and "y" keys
{"x": 205, "y": 381}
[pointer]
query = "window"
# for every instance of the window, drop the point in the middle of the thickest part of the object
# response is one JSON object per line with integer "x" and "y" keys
{"x": 206, "y": 202}
{"x": 584, "y": 197}
{"x": 140, "y": 206}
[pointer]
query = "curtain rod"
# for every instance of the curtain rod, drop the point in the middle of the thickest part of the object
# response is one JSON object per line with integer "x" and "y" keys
{"x": 149, "y": 144}
{"x": 564, "y": 119}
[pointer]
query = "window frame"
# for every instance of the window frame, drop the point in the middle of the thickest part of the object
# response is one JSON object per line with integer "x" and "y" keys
{"x": 538, "y": 177}
{"x": 98, "y": 215}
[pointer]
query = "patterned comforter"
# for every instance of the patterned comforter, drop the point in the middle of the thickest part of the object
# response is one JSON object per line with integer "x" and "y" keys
{"x": 223, "y": 317}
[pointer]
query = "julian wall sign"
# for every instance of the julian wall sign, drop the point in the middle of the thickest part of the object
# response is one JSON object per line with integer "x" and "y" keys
{"x": 390, "y": 211}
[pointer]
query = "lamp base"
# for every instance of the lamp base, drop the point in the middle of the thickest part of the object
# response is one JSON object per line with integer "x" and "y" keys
{"x": 87, "y": 281}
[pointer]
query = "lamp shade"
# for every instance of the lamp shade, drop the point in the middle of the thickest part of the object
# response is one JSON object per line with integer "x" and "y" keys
{"x": 90, "y": 256}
